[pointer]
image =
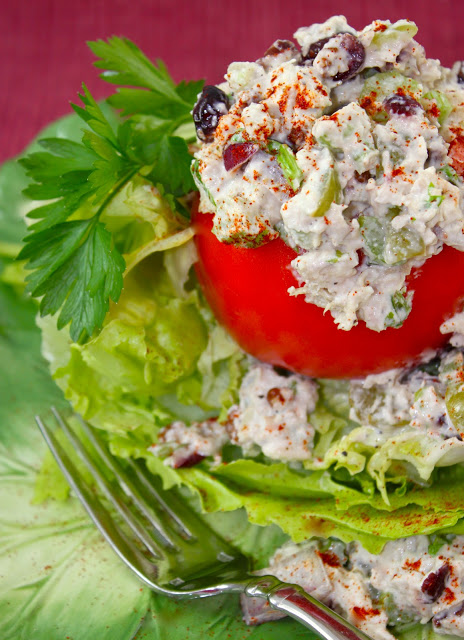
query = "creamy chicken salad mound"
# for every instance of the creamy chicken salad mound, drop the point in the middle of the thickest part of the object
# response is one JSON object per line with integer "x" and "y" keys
{"x": 347, "y": 148}
{"x": 414, "y": 580}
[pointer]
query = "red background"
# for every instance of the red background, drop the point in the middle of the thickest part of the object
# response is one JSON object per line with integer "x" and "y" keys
{"x": 43, "y": 57}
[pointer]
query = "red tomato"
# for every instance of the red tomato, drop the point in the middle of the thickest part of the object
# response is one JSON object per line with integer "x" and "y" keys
{"x": 247, "y": 290}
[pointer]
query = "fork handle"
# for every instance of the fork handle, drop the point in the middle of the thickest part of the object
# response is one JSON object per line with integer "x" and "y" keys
{"x": 295, "y": 602}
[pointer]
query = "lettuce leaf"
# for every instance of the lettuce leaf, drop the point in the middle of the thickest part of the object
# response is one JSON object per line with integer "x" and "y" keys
{"x": 53, "y": 563}
{"x": 159, "y": 357}
{"x": 315, "y": 505}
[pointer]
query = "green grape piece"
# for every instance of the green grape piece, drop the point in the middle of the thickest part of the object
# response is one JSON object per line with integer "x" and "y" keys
{"x": 402, "y": 29}
{"x": 441, "y": 100}
{"x": 454, "y": 400}
{"x": 402, "y": 245}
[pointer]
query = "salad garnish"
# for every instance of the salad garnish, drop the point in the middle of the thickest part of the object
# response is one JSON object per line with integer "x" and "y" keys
{"x": 76, "y": 267}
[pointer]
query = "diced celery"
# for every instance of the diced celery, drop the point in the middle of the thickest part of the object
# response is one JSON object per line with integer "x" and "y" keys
{"x": 393, "y": 212}
{"x": 287, "y": 161}
{"x": 197, "y": 177}
{"x": 450, "y": 174}
{"x": 438, "y": 540}
{"x": 297, "y": 239}
{"x": 381, "y": 86}
{"x": 330, "y": 192}
{"x": 338, "y": 255}
{"x": 237, "y": 136}
{"x": 289, "y": 166}
{"x": 441, "y": 100}
{"x": 397, "y": 156}
{"x": 401, "y": 308}
{"x": 434, "y": 198}
{"x": 327, "y": 143}
{"x": 400, "y": 619}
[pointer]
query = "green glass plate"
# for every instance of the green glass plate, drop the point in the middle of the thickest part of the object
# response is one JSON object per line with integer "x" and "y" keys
{"x": 58, "y": 580}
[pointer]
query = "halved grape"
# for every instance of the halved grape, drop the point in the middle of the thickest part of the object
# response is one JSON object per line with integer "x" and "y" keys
{"x": 402, "y": 245}
{"x": 386, "y": 245}
{"x": 454, "y": 400}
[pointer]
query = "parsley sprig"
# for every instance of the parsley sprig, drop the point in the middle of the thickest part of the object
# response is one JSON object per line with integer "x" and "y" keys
{"x": 76, "y": 269}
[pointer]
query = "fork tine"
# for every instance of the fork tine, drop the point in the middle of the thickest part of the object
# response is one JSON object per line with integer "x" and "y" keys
{"x": 148, "y": 485}
{"x": 133, "y": 558}
{"x": 127, "y": 485}
{"x": 152, "y": 544}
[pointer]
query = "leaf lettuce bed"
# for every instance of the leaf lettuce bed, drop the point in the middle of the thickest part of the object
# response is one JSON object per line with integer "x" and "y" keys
{"x": 55, "y": 565}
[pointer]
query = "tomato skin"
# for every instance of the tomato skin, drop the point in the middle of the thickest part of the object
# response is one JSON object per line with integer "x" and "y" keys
{"x": 247, "y": 291}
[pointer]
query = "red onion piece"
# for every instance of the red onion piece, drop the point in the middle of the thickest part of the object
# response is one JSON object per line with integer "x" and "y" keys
{"x": 238, "y": 153}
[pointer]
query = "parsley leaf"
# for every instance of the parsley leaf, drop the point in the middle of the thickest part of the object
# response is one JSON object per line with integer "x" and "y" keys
{"x": 76, "y": 269}
{"x": 173, "y": 166}
{"x": 125, "y": 64}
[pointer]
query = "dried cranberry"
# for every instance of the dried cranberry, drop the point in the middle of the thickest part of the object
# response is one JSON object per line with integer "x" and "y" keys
{"x": 212, "y": 104}
{"x": 401, "y": 105}
{"x": 434, "y": 584}
{"x": 279, "y": 46}
{"x": 238, "y": 153}
{"x": 356, "y": 53}
{"x": 190, "y": 460}
{"x": 456, "y": 611}
{"x": 356, "y": 56}
{"x": 330, "y": 558}
{"x": 315, "y": 47}
{"x": 362, "y": 177}
{"x": 275, "y": 397}
{"x": 460, "y": 75}
{"x": 456, "y": 154}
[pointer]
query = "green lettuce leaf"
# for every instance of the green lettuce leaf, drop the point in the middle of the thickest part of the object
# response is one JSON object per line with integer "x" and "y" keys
{"x": 315, "y": 505}
{"x": 54, "y": 565}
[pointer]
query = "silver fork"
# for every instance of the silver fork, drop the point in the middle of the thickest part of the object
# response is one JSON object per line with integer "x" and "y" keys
{"x": 164, "y": 542}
